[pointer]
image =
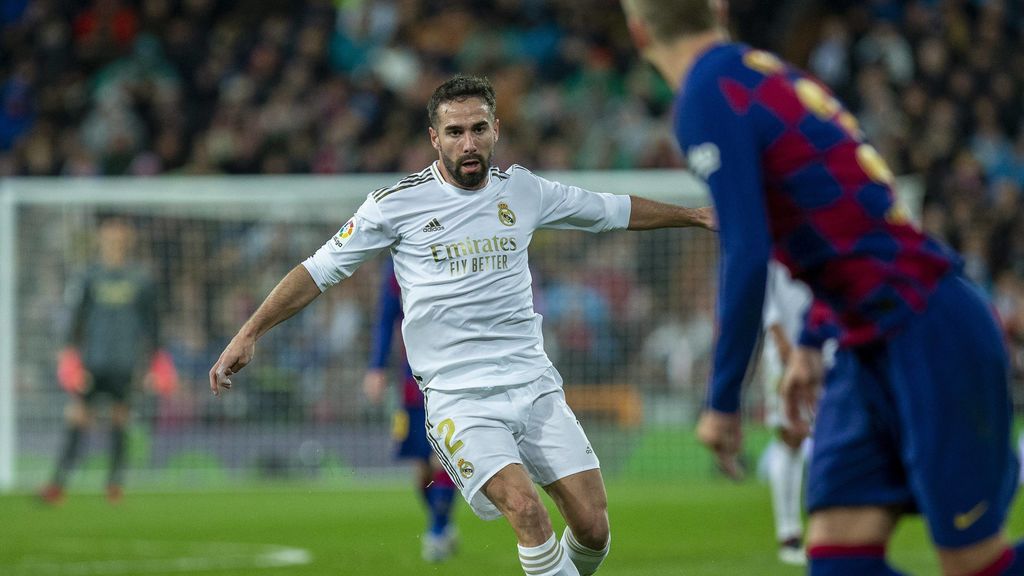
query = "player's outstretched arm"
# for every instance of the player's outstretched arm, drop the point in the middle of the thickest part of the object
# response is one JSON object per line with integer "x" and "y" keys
{"x": 296, "y": 290}
{"x": 648, "y": 214}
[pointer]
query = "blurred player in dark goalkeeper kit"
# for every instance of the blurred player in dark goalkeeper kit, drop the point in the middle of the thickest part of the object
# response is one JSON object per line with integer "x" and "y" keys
{"x": 113, "y": 328}
{"x": 915, "y": 415}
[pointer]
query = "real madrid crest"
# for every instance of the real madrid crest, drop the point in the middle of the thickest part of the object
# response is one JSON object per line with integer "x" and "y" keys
{"x": 505, "y": 214}
{"x": 465, "y": 466}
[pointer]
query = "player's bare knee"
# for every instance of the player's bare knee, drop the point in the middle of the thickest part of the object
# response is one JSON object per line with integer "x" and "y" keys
{"x": 974, "y": 558}
{"x": 851, "y": 526}
{"x": 119, "y": 415}
{"x": 425, "y": 471}
{"x": 525, "y": 509}
{"x": 77, "y": 414}
{"x": 594, "y": 531}
{"x": 791, "y": 439}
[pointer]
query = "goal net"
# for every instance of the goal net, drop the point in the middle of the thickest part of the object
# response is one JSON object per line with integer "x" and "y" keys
{"x": 629, "y": 321}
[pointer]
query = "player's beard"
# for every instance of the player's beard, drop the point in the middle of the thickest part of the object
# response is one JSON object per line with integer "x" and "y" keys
{"x": 463, "y": 179}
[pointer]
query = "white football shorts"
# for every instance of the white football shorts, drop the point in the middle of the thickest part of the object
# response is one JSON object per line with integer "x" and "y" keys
{"x": 770, "y": 373}
{"x": 476, "y": 432}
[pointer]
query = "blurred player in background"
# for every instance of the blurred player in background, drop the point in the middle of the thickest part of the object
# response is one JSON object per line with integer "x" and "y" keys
{"x": 916, "y": 413}
{"x": 496, "y": 415}
{"x": 114, "y": 327}
{"x": 786, "y": 302}
{"x": 409, "y": 428}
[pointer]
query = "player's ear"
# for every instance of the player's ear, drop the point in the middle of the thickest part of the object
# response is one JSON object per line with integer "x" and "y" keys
{"x": 434, "y": 138}
{"x": 497, "y": 124}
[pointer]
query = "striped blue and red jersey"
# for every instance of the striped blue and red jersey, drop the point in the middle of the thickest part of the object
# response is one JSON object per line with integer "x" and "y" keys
{"x": 389, "y": 317}
{"x": 792, "y": 177}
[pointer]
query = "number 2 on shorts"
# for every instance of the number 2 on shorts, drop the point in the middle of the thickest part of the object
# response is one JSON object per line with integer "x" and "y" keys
{"x": 447, "y": 427}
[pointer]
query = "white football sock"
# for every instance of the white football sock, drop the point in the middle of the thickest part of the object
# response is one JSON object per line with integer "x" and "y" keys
{"x": 785, "y": 474}
{"x": 586, "y": 560}
{"x": 548, "y": 559}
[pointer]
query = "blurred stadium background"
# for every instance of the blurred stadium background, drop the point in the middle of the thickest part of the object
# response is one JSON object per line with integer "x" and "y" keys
{"x": 237, "y": 136}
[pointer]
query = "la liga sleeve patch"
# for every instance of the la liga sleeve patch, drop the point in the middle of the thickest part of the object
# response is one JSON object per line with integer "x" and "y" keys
{"x": 346, "y": 232}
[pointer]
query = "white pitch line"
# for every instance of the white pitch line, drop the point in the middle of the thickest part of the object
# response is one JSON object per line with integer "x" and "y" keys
{"x": 183, "y": 557}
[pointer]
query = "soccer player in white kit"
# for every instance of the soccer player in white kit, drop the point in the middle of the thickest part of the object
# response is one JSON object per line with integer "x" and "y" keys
{"x": 458, "y": 232}
{"x": 786, "y": 302}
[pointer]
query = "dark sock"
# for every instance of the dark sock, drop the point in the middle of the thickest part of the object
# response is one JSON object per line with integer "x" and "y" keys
{"x": 118, "y": 442}
{"x": 1016, "y": 568}
{"x": 439, "y": 495}
{"x": 439, "y": 500}
{"x": 425, "y": 494}
{"x": 849, "y": 561}
{"x": 68, "y": 455}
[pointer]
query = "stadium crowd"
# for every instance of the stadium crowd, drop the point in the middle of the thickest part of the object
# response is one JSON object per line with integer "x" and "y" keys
{"x": 118, "y": 87}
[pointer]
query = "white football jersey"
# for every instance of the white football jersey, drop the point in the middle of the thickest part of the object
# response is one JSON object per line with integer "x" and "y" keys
{"x": 786, "y": 301}
{"x": 461, "y": 260}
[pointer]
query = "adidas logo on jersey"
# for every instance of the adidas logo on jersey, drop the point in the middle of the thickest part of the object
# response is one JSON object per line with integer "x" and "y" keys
{"x": 433, "y": 226}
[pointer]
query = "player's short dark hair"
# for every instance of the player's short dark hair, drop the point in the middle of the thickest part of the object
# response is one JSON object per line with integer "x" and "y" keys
{"x": 671, "y": 19}
{"x": 459, "y": 88}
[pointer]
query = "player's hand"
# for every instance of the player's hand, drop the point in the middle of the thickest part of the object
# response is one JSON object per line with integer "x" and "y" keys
{"x": 800, "y": 387}
{"x": 706, "y": 218}
{"x": 71, "y": 372}
{"x": 374, "y": 384}
{"x": 723, "y": 434}
{"x": 238, "y": 353}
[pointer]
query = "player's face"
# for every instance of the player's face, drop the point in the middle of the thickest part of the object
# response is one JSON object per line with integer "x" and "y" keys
{"x": 115, "y": 240}
{"x": 464, "y": 139}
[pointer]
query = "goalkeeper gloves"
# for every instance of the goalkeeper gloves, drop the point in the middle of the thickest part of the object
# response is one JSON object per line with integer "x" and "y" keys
{"x": 71, "y": 373}
{"x": 163, "y": 377}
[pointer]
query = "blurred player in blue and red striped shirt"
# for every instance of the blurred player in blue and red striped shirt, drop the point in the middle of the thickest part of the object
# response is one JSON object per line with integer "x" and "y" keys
{"x": 409, "y": 428}
{"x": 916, "y": 414}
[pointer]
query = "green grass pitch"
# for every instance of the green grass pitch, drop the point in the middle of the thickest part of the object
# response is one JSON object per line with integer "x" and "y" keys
{"x": 659, "y": 528}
